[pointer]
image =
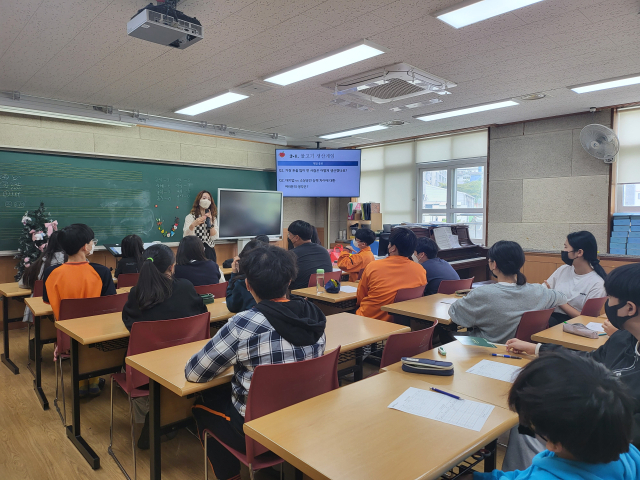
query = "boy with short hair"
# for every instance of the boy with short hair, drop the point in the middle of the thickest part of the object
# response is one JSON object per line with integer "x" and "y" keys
{"x": 275, "y": 331}
{"x": 382, "y": 279}
{"x": 437, "y": 269}
{"x": 584, "y": 415}
{"x": 354, "y": 263}
{"x": 78, "y": 278}
{"x": 310, "y": 256}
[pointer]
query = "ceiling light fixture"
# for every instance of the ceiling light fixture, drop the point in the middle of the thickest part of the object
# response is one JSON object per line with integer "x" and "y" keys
{"x": 355, "y": 131}
{"x": 347, "y": 56}
{"x": 466, "y": 111}
{"x": 62, "y": 116}
{"x": 603, "y": 85}
{"x": 473, "y": 11}
{"x": 212, "y": 103}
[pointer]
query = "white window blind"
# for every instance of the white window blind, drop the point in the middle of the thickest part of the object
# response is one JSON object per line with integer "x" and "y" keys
{"x": 628, "y": 163}
{"x": 452, "y": 147}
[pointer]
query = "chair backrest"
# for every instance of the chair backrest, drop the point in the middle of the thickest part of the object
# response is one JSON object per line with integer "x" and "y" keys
{"x": 327, "y": 276}
{"x": 219, "y": 290}
{"x": 452, "y": 286}
{"x": 149, "y": 336}
{"x": 128, "y": 280}
{"x": 38, "y": 288}
{"x": 407, "y": 345}
{"x": 593, "y": 306}
{"x": 405, "y": 294}
{"x": 86, "y": 307}
{"x": 532, "y": 323}
{"x": 277, "y": 386}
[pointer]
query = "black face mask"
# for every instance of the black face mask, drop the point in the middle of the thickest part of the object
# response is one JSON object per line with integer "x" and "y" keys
{"x": 612, "y": 314}
{"x": 565, "y": 258}
{"x": 494, "y": 275}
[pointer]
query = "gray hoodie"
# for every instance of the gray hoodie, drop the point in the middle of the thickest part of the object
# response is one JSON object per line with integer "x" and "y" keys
{"x": 494, "y": 311}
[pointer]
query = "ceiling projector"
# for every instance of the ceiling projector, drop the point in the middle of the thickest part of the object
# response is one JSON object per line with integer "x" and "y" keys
{"x": 164, "y": 25}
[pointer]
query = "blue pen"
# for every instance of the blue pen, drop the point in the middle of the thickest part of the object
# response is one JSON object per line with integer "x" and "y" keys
{"x": 505, "y": 356}
{"x": 445, "y": 393}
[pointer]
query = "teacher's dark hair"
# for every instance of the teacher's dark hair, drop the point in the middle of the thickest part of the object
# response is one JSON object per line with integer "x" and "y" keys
{"x": 190, "y": 248}
{"x": 509, "y": 259}
{"x": 195, "y": 208}
{"x": 586, "y": 242}
{"x": 153, "y": 286}
{"x": 132, "y": 247}
{"x": 43, "y": 262}
{"x": 575, "y": 402}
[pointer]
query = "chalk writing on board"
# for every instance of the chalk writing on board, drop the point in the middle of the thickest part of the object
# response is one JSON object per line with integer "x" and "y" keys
{"x": 183, "y": 188}
{"x": 163, "y": 188}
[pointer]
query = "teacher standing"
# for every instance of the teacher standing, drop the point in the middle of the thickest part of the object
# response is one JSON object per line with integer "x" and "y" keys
{"x": 203, "y": 223}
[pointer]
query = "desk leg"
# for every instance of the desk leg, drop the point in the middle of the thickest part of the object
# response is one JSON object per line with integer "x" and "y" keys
{"x": 491, "y": 462}
{"x": 37, "y": 383}
{"x": 359, "y": 371}
{"x": 73, "y": 430}
{"x": 154, "y": 430}
{"x": 5, "y": 327}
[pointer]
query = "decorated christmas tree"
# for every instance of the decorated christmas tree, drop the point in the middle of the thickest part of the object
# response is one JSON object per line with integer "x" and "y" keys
{"x": 37, "y": 226}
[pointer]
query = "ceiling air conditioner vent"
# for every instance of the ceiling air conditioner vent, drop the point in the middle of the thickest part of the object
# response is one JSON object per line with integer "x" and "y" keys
{"x": 391, "y": 83}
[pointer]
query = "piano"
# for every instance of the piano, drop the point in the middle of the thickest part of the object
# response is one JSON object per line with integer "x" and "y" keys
{"x": 469, "y": 260}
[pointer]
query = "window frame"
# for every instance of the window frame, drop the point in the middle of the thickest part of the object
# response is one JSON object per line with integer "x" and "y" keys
{"x": 451, "y": 210}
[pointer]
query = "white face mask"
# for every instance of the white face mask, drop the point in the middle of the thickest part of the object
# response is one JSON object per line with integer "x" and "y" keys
{"x": 205, "y": 203}
{"x": 91, "y": 251}
{"x": 414, "y": 258}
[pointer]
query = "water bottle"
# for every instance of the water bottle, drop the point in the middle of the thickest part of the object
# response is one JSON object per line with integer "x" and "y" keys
{"x": 319, "y": 281}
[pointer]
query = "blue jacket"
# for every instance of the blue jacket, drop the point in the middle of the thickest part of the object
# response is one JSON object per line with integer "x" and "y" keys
{"x": 546, "y": 466}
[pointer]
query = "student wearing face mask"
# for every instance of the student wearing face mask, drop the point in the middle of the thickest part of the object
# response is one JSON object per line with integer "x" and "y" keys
{"x": 437, "y": 269}
{"x": 493, "y": 312}
{"x": 580, "y": 279}
{"x": 355, "y": 263}
{"x": 620, "y": 354}
{"x": 202, "y": 222}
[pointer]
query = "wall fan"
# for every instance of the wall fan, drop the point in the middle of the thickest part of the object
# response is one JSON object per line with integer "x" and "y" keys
{"x": 600, "y": 142}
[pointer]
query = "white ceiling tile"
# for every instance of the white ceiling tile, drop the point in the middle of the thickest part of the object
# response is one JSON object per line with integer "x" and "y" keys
{"x": 11, "y": 25}
{"x": 271, "y": 13}
{"x": 336, "y": 12}
{"x": 610, "y": 9}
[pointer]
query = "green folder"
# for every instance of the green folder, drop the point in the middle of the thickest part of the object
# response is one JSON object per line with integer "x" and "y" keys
{"x": 474, "y": 341}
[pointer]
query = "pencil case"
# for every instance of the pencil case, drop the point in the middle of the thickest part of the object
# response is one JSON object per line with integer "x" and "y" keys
{"x": 579, "y": 329}
{"x": 207, "y": 298}
{"x": 426, "y": 366}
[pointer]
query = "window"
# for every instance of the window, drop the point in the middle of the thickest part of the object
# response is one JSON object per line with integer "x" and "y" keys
{"x": 454, "y": 192}
{"x": 626, "y": 170}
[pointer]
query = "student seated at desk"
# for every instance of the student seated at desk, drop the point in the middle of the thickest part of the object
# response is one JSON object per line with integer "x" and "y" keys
{"x": 584, "y": 417}
{"x": 493, "y": 312}
{"x": 131, "y": 248}
{"x": 239, "y": 298}
{"x": 193, "y": 264}
{"x": 276, "y": 330}
{"x": 580, "y": 279}
{"x": 354, "y": 263}
{"x": 77, "y": 278}
{"x": 436, "y": 268}
{"x": 382, "y": 279}
{"x": 620, "y": 354}
{"x": 311, "y": 256}
{"x": 159, "y": 295}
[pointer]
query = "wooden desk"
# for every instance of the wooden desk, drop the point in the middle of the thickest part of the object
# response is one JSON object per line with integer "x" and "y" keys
{"x": 463, "y": 358}
{"x": 330, "y": 303}
{"x": 575, "y": 342}
{"x": 165, "y": 369}
{"x": 9, "y": 290}
{"x": 428, "y": 308}
{"x": 226, "y": 271}
{"x": 350, "y": 433}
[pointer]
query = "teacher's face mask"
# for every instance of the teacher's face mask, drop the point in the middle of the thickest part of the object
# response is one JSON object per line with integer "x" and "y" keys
{"x": 205, "y": 202}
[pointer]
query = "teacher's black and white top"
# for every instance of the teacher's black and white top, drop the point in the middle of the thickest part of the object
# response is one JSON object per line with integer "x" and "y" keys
{"x": 201, "y": 231}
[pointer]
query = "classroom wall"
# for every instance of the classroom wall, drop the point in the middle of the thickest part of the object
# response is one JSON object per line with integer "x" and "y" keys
{"x": 543, "y": 185}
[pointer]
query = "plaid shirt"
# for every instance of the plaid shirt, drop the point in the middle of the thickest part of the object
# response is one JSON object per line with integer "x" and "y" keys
{"x": 246, "y": 341}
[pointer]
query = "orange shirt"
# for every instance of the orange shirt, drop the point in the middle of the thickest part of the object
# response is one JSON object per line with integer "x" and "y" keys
{"x": 382, "y": 279}
{"x": 76, "y": 280}
{"x": 352, "y": 263}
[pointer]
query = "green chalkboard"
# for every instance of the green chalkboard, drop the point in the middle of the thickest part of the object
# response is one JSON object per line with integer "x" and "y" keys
{"x": 115, "y": 198}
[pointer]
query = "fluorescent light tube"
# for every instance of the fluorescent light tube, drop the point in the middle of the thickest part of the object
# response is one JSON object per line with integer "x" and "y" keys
{"x": 621, "y": 82}
{"x": 354, "y": 54}
{"x": 215, "y": 102}
{"x": 473, "y": 11}
{"x": 62, "y": 116}
{"x": 466, "y": 111}
{"x": 348, "y": 133}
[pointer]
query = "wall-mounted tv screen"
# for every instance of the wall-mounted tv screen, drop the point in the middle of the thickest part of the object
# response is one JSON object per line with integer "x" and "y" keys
{"x": 249, "y": 213}
{"x": 318, "y": 173}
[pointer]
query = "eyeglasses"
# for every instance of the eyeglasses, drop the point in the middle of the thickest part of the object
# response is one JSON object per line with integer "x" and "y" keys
{"x": 530, "y": 432}
{"x": 94, "y": 241}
